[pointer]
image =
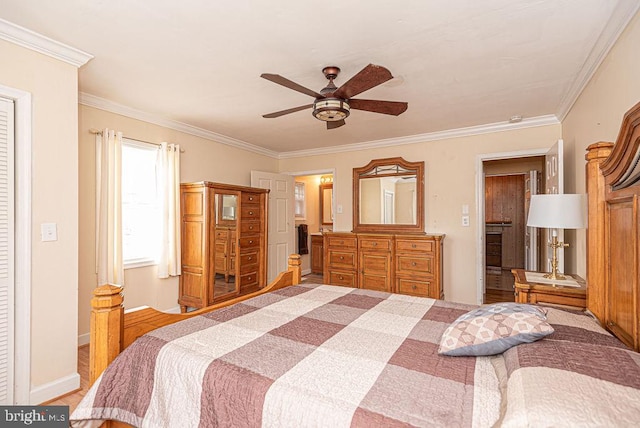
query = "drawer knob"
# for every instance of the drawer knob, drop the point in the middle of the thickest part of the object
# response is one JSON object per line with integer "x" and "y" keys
{"x": 413, "y": 263}
{"x": 341, "y": 277}
{"x": 341, "y": 257}
{"x": 250, "y": 227}
{"x": 249, "y": 258}
{"x": 375, "y": 243}
{"x": 251, "y": 198}
{"x": 413, "y": 245}
{"x": 250, "y": 242}
{"x": 250, "y": 212}
{"x": 413, "y": 287}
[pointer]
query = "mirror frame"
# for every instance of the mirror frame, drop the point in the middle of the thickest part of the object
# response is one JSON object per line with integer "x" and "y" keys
{"x": 323, "y": 187}
{"x": 402, "y": 168}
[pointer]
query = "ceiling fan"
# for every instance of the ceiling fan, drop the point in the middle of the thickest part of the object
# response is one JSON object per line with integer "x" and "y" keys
{"x": 333, "y": 104}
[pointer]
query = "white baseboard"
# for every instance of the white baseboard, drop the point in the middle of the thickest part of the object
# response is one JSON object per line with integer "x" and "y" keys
{"x": 83, "y": 339}
{"x": 174, "y": 310}
{"x": 306, "y": 272}
{"x": 55, "y": 389}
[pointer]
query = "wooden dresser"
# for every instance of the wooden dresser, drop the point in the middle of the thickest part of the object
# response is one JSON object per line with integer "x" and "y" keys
{"x": 224, "y": 242}
{"x": 395, "y": 263}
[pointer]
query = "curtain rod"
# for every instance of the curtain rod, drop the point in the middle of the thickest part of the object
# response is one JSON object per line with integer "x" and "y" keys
{"x": 97, "y": 131}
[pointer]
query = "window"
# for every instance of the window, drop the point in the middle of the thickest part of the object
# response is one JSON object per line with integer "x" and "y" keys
{"x": 300, "y": 203}
{"x": 141, "y": 215}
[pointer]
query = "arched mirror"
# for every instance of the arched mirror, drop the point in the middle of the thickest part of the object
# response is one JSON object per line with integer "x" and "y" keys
{"x": 388, "y": 196}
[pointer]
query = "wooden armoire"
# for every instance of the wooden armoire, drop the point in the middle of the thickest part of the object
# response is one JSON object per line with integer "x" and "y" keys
{"x": 224, "y": 242}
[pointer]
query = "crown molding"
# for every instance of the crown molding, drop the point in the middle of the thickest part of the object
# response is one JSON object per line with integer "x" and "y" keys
{"x": 110, "y": 106}
{"x": 31, "y": 40}
{"x": 618, "y": 21}
{"x": 422, "y": 138}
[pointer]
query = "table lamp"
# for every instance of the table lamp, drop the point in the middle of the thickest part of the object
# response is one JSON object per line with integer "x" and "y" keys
{"x": 557, "y": 211}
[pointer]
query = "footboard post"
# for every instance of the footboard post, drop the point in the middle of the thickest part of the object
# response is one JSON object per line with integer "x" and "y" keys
{"x": 295, "y": 265}
{"x": 107, "y": 322}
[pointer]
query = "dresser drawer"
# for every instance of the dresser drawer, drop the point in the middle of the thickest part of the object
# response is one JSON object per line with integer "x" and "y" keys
{"x": 221, "y": 235}
{"x": 415, "y": 288}
{"x": 346, "y": 279}
{"x": 342, "y": 241}
{"x": 371, "y": 243}
{"x": 415, "y": 264}
{"x": 339, "y": 258}
{"x": 417, "y": 245}
{"x": 250, "y": 212}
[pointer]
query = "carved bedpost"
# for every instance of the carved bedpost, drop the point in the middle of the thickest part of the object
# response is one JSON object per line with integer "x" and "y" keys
{"x": 107, "y": 323}
{"x": 295, "y": 265}
{"x": 596, "y": 265}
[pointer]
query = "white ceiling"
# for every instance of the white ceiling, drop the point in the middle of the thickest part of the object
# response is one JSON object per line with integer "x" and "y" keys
{"x": 196, "y": 64}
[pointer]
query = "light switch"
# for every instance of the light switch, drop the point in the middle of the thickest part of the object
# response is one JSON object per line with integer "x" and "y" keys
{"x": 49, "y": 232}
{"x": 339, "y": 209}
{"x": 465, "y": 209}
{"x": 465, "y": 220}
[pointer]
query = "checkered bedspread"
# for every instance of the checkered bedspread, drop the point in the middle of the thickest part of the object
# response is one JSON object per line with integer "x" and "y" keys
{"x": 327, "y": 356}
{"x": 307, "y": 355}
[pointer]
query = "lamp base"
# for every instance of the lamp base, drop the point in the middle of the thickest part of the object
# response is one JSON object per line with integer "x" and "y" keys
{"x": 554, "y": 275}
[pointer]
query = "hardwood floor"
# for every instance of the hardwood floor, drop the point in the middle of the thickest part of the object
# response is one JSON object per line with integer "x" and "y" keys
{"x": 73, "y": 399}
{"x": 499, "y": 288}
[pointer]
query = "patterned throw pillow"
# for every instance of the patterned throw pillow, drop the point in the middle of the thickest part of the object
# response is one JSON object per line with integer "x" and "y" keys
{"x": 492, "y": 329}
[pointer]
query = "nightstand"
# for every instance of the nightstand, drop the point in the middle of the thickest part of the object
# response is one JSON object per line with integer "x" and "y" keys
{"x": 528, "y": 290}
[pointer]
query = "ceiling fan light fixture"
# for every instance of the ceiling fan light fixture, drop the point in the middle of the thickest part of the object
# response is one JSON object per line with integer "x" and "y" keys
{"x": 331, "y": 109}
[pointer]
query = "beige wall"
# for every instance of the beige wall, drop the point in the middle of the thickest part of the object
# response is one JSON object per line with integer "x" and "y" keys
{"x": 597, "y": 114}
{"x": 54, "y": 265}
{"x": 450, "y": 181}
{"x": 202, "y": 160}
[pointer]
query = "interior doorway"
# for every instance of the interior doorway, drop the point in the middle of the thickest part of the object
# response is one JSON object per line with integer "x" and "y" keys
{"x": 503, "y": 184}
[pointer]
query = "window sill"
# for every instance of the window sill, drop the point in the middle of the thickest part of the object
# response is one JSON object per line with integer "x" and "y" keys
{"x": 133, "y": 264}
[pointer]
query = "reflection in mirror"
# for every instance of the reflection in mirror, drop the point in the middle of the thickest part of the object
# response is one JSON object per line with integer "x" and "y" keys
{"x": 388, "y": 196}
{"x": 326, "y": 204}
{"x": 388, "y": 200}
{"x": 225, "y": 245}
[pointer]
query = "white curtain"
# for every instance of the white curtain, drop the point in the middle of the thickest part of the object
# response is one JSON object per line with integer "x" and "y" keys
{"x": 109, "y": 266}
{"x": 168, "y": 170}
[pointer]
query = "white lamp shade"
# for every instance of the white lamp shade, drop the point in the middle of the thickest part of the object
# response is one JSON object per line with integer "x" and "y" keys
{"x": 564, "y": 211}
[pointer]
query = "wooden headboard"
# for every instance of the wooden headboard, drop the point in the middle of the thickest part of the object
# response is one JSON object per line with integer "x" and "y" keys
{"x": 613, "y": 235}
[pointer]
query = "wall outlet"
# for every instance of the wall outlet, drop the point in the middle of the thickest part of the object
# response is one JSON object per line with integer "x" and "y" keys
{"x": 465, "y": 220}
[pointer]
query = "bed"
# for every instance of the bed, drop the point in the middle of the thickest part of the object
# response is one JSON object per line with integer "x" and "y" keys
{"x": 296, "y": 354}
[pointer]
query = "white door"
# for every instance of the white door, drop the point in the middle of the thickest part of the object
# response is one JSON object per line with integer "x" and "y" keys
{"x": 553, "y": 184}
{"x": 281, "y": 229}
{"x": 6, "y": 251}
{"x": 530, "y": 234}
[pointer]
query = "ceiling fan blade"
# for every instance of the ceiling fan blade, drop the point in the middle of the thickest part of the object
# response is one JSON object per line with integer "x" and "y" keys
{"x": 385, "y": 107}
{"x": 336, "y": 124}
{"x": 369, "y": 77}
{"x": 276, "y": 78}
{"x": 287, "y": 111}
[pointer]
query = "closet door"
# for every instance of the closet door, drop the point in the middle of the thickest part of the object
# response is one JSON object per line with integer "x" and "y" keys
{"x": 6, "y": 251}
